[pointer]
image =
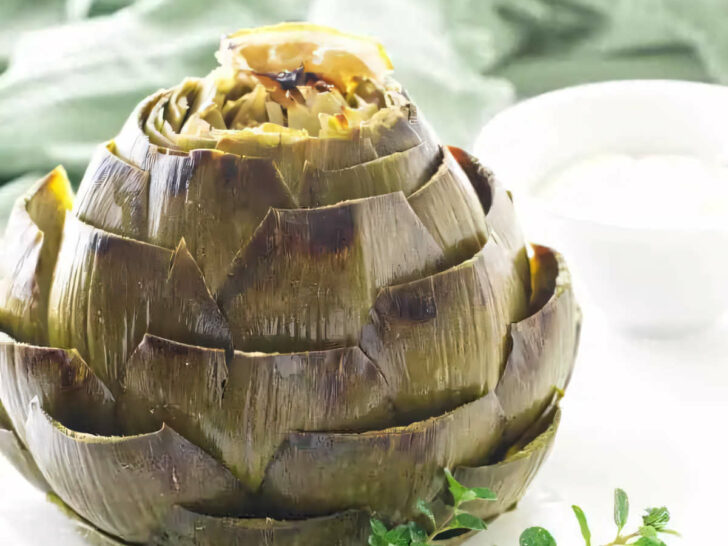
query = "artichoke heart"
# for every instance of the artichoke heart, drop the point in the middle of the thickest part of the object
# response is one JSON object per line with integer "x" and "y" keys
{"x": 276, "y": 306}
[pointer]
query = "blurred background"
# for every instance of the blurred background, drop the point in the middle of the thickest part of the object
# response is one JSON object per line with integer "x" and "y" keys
{"x": 642, "y": 414}
{"x": 72, "y": 70}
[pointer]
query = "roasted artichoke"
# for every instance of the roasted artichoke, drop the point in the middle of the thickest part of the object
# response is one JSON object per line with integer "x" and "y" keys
{"x": 276, "y": 306}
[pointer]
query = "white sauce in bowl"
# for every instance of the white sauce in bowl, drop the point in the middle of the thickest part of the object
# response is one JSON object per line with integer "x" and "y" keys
{"x": 650, "y": 191}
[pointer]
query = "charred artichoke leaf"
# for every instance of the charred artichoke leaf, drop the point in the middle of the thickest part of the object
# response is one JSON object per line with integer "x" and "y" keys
{"x": 108, "y": 291}
{"x": 29, "y": 252}
{"x": 402, "y": 171}
{"x": 462, "y": 315}
{"x": 61, "y": 380}
{"x": 510, "y": 477}
{"x": 113, "y": 194}
{"x": 18, "y": 456}
{"x": 385, "y": 471}
{"x": 241, "y": 411}
{"x": 329, "y": 263}
{"x": 500, "y": 212}
{"x": 543, "y": 345}
{"x": 451, "y": 211}
{"x": 126, "y": 485}
{"x": 186, "y": 528}
{"x": 213, "y": 200}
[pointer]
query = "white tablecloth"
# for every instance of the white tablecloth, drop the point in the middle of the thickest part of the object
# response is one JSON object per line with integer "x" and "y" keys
{"x": 647, "y": 416}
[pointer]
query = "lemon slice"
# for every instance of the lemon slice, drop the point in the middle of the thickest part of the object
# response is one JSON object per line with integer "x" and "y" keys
{"x": 333, "y": 55}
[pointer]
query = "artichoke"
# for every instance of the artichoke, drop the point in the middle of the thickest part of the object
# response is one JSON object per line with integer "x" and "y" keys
{"x": 276, "y": 306}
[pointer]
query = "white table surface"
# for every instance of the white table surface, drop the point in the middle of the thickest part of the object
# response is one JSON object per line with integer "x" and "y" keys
{"x": 648, "y": 416}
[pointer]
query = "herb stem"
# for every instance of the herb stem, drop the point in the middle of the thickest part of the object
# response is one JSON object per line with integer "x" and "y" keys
{"x": 622, "y": 539}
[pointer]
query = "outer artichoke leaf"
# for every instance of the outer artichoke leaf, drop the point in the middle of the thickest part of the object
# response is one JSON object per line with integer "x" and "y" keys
{"x": 402, "y": 171}
{"x": 132, "y": 144}
{"x": 450, "y": 209}
{"x": 18, "y": 456}
{"x": 241, "y": 411}
{"x": 186, "y": 528}
{"x": 462, "y": 315}
{"x": 543, "y": 346}
{"x": 29, "y": 252}
{"x": 509, "y": 478}
{"x": 90, "y": 534}
{"x": 213, "y": 200}
{"x": 126, "y": 485}
{"x": 108, "y": 291}
{"x": 114, "y": 194}
{"x": 307, "y": 278}
{"x": 61, "y": 380}
{"x": 498, "y": 205}
{"x": 4, "y": 417}
{"x": 385, "y": 471}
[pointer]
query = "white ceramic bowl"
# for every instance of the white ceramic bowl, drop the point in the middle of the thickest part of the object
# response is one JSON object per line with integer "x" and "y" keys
{"x": 648, "y": 280}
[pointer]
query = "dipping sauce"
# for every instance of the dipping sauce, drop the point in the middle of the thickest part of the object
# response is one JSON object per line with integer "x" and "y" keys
{"x": 650, "y": 191}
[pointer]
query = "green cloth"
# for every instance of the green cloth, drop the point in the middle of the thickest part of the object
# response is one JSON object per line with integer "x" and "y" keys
{"x": 76, "y": 68}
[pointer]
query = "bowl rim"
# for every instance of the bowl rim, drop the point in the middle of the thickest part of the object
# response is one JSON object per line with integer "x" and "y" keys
{"x": 615, "y": 87}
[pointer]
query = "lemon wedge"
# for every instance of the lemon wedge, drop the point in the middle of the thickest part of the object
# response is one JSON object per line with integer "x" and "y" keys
{"x": 333, "y": 55}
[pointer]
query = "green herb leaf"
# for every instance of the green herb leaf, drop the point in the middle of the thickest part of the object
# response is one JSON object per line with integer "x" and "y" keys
{"x": 583, "y": 525}
{"x": 648, "y": 531}
{"x": 657, "y": 517}
{"x": 378, "y": 528}
{"x": 621, "y": 508}
{"x": 425, "y": 509}
{"x": 417, "y": 533}
{"x": 376, "y": 540}
{"x": 458, "y": 491}
{"x": 468, "y": 521}
{"x": 536, "y": 536}
{"x": 399, "y": 536}
{"x": 483, "y": 493}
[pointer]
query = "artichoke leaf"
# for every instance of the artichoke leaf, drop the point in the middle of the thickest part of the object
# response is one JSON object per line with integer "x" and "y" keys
{"x": 462, "y": 315}
{"x": 242, "y": 410}
{"x": 208, "y": 193}
{"x": 510, "y": 477}
{"x": 29, "y": 252}
{"x": 186, "y": 528}
{"x": 385, "y": 471}
{"x": 16, "y": 453}
{"x": 543, "y": 345}
{"x": 108, "y": 291}
{"x": 307, "y": 278}
{"x": 449, "y": 207}
{"x": 500, "y": 212}
{"x": 4, "y": 417}
{"x": 113, "y": 194}
{"x": 126, "y": 485}
{"x": 390, "y": 131}
{"x": 402, "y": 171}
{"x": 290, "y": 155}
{"x": 21, "y": 459}
{"x": 91, "y": 535}
{"x": 132, "y": 144}
{"x": 62, "y": 381}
